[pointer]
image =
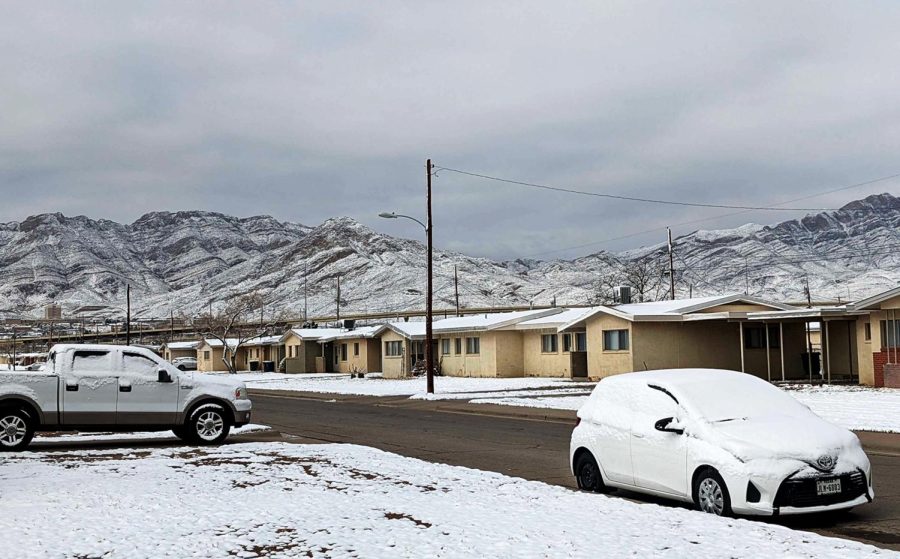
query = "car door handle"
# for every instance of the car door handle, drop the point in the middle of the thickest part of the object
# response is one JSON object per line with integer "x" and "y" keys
{"x": 637, "y": 435}
{"x": 124, "y": 388}
{"x": 71, "y": 388}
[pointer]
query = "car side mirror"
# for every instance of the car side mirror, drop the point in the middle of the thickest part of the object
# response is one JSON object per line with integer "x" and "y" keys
{"x": 164, "y": 376}
{"x": 668, "y": 425}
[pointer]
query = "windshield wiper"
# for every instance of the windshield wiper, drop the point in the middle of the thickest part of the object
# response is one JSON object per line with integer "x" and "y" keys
{"x": 730, "y": 419}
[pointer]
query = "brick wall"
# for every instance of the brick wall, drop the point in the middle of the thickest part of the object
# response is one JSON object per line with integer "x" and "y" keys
{"x": 887, "y": 374}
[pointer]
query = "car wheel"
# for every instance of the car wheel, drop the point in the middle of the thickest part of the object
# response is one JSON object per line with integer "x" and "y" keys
{"x": 587, "y": 474}
{"x": 209, "y": 424}
{"x": 16, "y": 429}
{"x": 711, "y": 494}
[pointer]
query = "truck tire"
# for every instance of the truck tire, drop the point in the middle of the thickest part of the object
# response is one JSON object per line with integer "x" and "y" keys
{"x": 16, "y": 429}
{"x": 209, "y": 424}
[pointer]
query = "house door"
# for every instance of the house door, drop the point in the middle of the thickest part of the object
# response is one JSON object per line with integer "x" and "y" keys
{"x": 578, "y": 364}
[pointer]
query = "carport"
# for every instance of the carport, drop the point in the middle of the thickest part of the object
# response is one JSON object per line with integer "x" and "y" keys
{"x": 839, "y": 355}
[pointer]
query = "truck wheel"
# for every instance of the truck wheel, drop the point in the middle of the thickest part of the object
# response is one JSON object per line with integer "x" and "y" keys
{"x": 16, "y": 429}
{"x": 209, "y": 424}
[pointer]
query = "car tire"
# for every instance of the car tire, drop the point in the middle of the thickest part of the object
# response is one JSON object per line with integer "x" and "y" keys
{"x": 208, "y": 424}
{"x": 587, "y": 474}
{"x": 711, "y": 494}
{"x": 16, "y": 429}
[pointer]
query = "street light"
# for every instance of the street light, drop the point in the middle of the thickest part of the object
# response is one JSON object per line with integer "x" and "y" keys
{"x": 429, "y": 354}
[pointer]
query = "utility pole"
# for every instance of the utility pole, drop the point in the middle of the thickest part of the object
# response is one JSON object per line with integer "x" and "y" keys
{"x": 128, "y": 314}
{"x": 456, "y": 289}
{"x": 338, "y": 301}
{"x": 671, "y": 265}
{"x": 809, "y": 351}
{"x": 171, "y": 325}
{"x": 429, "y": 354}
{"x": 305, "y": 299}
{"x": 14, "y": 349}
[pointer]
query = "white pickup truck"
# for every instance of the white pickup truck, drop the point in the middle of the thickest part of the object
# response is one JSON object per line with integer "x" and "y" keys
{"x": 117, "y": 388}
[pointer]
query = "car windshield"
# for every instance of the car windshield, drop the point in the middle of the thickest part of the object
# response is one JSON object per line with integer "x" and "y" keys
{"x": 734, "y": 400}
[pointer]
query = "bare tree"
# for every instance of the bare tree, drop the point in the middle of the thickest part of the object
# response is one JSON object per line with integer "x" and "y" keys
{"x": 645, "y": 277}
{"x": 234, "y": 326}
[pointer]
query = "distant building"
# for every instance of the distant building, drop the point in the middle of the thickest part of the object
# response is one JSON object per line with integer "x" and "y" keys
{"x": 53, "y": 312}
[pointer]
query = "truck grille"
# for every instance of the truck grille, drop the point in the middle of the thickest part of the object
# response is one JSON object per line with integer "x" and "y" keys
{"x": 801, "y": 492}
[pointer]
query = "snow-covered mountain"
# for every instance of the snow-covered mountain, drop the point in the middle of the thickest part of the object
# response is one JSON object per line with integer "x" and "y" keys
{"x": 183, "y": 262}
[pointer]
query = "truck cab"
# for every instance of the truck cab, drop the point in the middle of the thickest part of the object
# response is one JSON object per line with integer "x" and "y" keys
{"x": 117, "y": 388}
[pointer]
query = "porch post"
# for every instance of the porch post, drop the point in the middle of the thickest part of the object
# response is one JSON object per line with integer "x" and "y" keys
{"x": 768, "y": 360}
{"x": 781, "y": 346}
{"x": 741, "y": 329}
{"x": 827, "y": 348}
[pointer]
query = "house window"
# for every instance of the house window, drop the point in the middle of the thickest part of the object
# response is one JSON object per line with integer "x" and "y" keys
{"x": 580, "y": 341}
{"x": 867, "y": 331}
{"x": 393, "y": 349}
{"x": 206, "y": 356}
{"x": 445, "y": 346}
{"x": 356, "y": 349}
{"x": 615, "y": 340}
{"x": 459, "y": 346}
{"x": 473, "y": 346}
{"x": 890, "y": 333}
{"x": 755, "y": 338}
{"x": 549, "y": 343}
{"x": 343, "y": 352}
{"x": 567, "y": 343}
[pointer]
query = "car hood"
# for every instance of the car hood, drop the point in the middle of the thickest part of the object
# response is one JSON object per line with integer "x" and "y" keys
{"x": 805, "y": 438}
{"x": 220, "y": 383}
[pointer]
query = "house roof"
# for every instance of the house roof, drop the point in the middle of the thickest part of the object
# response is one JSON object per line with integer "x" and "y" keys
{"x": 559, "y": 320}
{"x": 182, "y": 345}
{"x": 490, "y": 321}
{"x": 815, "y": 313}
{"x": 264, "y": 340}
{"x": 874, "y": 302}
{"x": 678, "y": 309}
{"x": 411, "y": 330}
{"x": 311, "y": 334}
{"x": 356, "y": 333}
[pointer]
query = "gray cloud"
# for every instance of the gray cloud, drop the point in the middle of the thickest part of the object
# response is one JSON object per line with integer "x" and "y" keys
{"x": 306, "y": 111}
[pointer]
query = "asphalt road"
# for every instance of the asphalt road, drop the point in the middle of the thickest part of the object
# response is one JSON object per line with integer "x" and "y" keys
{"x": 534, "y": 448}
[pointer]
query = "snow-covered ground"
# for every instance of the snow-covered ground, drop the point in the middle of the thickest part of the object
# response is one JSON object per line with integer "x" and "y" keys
{"x": 284, "y": 500}
{"x": 445, "y": 387}
{"x": 855, "y": 407}
{"x": 143, "y": 436}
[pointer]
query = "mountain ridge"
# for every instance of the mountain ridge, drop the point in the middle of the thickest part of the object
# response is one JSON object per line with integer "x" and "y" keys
{"x": 183, "y": 261}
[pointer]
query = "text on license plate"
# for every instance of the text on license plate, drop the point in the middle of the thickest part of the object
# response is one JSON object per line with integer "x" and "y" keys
{"x": 828, "y": 486}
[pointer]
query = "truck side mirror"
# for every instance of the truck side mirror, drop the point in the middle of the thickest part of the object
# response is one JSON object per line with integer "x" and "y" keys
{"x": 164, "y": 376}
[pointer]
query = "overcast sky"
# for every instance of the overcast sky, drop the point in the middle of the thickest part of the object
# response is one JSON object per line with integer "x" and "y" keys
{"x": 310, "y": 110}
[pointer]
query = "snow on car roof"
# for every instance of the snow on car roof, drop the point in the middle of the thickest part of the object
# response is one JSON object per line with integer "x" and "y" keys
{"x": 717, "y": 394}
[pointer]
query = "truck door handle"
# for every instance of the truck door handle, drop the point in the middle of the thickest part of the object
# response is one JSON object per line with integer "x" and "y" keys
{"x": 124, "y": 388}
{"x": 71, "y": 388}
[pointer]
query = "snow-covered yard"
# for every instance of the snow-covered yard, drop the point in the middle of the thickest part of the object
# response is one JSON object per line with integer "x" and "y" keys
{"x": 445, "y": 387}
{"x": 284, "y": 500}
{"x": 137, "y": 436}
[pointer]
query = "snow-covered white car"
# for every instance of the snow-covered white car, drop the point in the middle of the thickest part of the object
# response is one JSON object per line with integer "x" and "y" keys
{"x": 725, "y": 441}
{"x": 185, "y": 363}
{"x": 117, "y": 388}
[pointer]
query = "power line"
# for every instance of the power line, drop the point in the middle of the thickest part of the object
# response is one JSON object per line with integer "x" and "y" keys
{"x": 653, "y": 200}
{"x": 689, "y": 222}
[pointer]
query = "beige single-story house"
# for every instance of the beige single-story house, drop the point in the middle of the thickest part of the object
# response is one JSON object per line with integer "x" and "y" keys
{"x": 264, "y": 353}
{"x": 555, "y": 345}
{"x": 350, "y": 351}
{"x": 301, "y": 348}
{"x": 174, "y": 350}
{"x": 878, "y": 339}
{"x": 706, "y": 332}
{"x": 210, "y": 352}
{"x": 483, "y": 345}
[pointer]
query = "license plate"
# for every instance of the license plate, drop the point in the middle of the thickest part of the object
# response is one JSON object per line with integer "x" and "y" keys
{"x": 828, "y": 486}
